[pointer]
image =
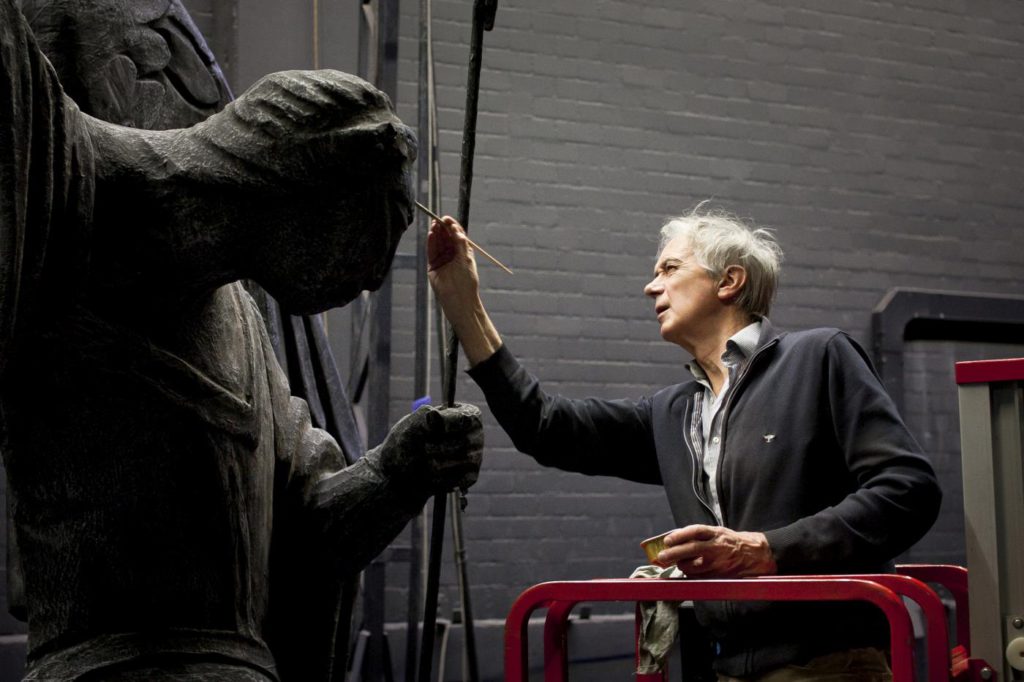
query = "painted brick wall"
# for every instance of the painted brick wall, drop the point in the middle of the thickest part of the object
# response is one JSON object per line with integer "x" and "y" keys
{"x": 880, "y": 140}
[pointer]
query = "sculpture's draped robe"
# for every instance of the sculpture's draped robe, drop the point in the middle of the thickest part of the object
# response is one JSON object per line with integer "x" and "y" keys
{"x": 150, "y": 470}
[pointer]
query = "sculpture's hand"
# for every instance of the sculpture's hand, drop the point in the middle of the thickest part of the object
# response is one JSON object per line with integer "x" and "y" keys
{"x": 435, "y": 450}
{"x": 717, "y": 552}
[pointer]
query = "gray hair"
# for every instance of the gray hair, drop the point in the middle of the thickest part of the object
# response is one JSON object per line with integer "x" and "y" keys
{"x": 719, "y": 240}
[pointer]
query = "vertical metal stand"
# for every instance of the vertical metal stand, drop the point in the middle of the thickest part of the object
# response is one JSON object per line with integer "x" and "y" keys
{"x": 991, "y": 436}
{"x": 421, "y": 305}
{"x": 380, "y": 28}
{"x": 483, "y": 20}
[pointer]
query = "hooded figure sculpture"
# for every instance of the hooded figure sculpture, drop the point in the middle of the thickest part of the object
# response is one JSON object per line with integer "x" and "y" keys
{"x": 156, "y": 460}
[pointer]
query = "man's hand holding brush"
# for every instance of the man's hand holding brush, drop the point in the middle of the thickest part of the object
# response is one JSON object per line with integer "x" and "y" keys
{"x": 456, "y": 283}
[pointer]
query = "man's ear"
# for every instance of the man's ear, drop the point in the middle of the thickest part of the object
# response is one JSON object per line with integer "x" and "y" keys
{"x": 731, "y": 283}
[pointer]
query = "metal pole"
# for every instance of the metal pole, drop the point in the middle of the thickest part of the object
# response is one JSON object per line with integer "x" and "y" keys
{"x": 483, "y": 20}
{"x": 459, "y": 548}
{"x": 433, "y": 585}
{"x": 421, "y": 306}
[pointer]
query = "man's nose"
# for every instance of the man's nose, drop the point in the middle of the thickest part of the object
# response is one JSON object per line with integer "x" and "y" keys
{"x": 653, "y": 288}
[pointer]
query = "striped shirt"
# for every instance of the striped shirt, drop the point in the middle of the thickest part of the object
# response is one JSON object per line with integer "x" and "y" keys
{"x": 738, "y": 349}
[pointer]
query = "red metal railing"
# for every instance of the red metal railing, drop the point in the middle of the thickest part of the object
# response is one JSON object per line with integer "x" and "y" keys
{"x": 883, "y": 590}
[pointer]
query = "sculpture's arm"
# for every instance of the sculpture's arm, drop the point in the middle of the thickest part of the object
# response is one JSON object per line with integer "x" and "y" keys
{"x": 354, "y": 512}
{"x": 46, "y": 171}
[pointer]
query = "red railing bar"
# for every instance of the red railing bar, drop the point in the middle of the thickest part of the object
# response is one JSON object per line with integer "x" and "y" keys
{"x": 776, "y": 589}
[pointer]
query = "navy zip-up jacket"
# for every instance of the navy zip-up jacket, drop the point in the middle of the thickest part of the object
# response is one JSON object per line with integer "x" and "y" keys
{"x": 814, "y": 455}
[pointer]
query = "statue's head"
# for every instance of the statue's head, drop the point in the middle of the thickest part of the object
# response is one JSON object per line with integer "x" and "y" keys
{"x": 319, "y": 168}
{"x": 310, "y": 170}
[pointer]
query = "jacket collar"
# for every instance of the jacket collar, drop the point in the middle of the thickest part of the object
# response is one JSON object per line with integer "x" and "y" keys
{"x": 768, "y": 334}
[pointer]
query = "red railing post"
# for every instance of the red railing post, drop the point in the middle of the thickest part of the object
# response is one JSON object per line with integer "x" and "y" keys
{"x": 556, "y": 648}
{"x": 954, "y": 579}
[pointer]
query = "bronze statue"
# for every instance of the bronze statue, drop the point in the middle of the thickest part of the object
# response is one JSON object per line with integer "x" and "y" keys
{"x": 159, "y": 470}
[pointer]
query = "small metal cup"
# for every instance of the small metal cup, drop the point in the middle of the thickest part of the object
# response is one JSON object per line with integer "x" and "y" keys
{"x": 652, "y": 546}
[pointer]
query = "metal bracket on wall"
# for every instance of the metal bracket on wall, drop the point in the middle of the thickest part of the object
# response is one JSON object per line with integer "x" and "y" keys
{"x": 927, "y": 314}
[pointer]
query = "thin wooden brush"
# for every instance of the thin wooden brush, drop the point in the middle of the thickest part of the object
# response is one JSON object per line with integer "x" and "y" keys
{"x": 471, "y": 242}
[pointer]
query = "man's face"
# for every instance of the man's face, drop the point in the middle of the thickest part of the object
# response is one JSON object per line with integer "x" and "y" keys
{"x": 685, "y": 296}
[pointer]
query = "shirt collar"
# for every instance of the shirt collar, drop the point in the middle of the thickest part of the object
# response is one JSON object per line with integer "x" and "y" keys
{"x": 743, "y": 343}
{"x": 738, "y": 348}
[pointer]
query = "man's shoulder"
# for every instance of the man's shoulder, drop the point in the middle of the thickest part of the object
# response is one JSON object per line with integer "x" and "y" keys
{"x": 809, "y": 338}
{"x": 825, "y": 342}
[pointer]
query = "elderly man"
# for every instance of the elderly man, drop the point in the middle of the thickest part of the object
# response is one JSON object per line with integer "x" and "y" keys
{"x": 782, "y": 454}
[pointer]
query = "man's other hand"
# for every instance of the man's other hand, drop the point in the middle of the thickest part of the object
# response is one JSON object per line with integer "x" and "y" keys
{"x": 717, "y": 552}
